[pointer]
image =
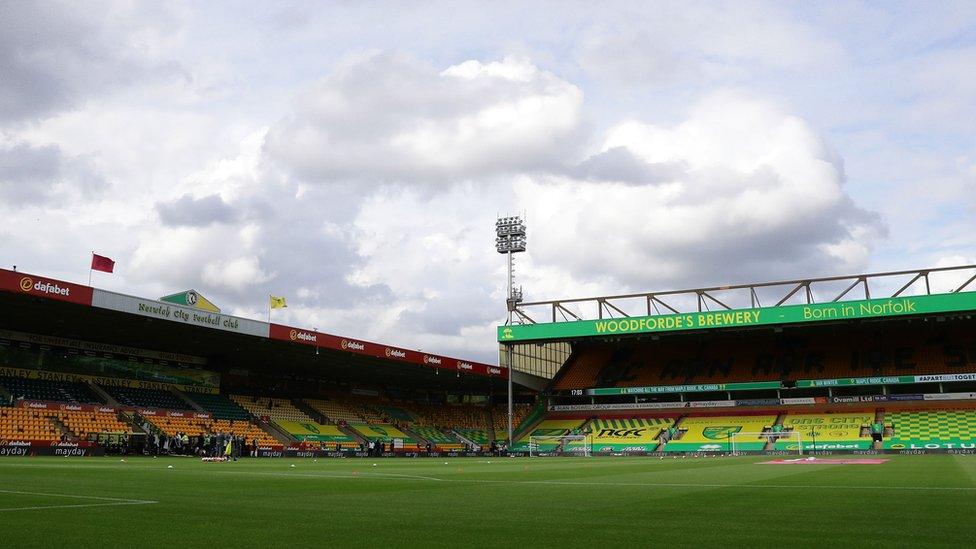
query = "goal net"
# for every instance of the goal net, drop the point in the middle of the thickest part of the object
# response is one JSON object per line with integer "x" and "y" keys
{"x": 568, "y": 445}
{"x": 755, "y": 441}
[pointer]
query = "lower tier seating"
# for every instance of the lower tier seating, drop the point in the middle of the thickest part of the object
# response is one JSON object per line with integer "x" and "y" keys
{"x": 551, "y": 429}
{"x": 828, "y": 431}
{"x": 931, "y": 429}
{"x": 316, "y": 432}
{"x": 27, "y": 425}
{"x": 85, "y": 424}
{"x": 438, "y": 438}
{"x": 381, "y": 432}
{"x": 625, "y": 435}
{"x": 714, "y": 433}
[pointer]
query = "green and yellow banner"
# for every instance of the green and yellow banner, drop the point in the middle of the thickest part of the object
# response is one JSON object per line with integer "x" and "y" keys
{"x": 787, "y": 314}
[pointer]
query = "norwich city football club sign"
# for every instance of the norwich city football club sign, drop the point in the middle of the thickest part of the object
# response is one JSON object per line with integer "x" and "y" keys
{"x": 789, "y": 314}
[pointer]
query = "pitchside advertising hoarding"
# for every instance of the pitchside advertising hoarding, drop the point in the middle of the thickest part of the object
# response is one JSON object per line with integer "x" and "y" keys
{"x": 789, "y": 314}
{"x": 758, "y": 385}
{"x": 360, "y": 347}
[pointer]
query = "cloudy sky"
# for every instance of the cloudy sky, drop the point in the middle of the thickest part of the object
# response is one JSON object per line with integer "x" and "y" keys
{"x": 353, "y": 158}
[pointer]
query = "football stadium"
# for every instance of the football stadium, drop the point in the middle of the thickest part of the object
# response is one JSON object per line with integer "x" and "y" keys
{"x": 767, "y": 414}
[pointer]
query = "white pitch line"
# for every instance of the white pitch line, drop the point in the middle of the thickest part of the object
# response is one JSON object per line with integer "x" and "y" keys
{"x": 106, "y": 502}
{"x": 381, "y": 476}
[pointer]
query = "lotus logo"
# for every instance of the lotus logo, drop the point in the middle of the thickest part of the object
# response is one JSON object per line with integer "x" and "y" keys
{"x": 720, "y": 433}
{"x": 26, "y": 283}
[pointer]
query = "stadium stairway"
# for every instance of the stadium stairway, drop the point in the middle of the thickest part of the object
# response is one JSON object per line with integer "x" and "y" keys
{"x": 183, "y": 396}
{"x": 879, "y": 418}
{"x": 352, "y": 432}
{"x": 771, "y": 441}
{"x": 63, "y": 429}
{"x": 467, "y": 441}
{"x": 103, "y": 394}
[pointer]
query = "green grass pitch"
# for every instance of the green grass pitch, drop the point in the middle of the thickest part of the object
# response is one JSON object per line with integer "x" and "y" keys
{"x": 533, "y": 502}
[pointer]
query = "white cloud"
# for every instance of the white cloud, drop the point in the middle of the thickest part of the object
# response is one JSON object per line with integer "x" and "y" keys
{"x": 384, "y": 117}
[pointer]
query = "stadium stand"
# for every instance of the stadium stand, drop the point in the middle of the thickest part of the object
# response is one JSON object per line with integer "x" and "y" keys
{"x": 549, "y": 428}
{"x": 626, "y": 434}
{"x": 25, "y": 424}
{"x": 273, "y": 408}
{"x": 188, "y": 425}
{"x": 836, "y": 431}
{"x": 315, "y": 432}
{"x": 219, "y": 406}
{"x": 438, "y": 438}
{"x": 84, "y": 424}
{"x": 146, "y": 398}
{"x": 713, "y": 433}
{"x": 39, "y": 389}
{"x": 717, "y": 358}
{"x": 334, "y": 410}
{"x": 243, "y": 428}
{"x": 381, "y": 432}
{"x": 931, "y": 429}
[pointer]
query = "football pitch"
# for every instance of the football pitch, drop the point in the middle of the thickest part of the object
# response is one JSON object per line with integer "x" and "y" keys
{"x": 914, "y": 501}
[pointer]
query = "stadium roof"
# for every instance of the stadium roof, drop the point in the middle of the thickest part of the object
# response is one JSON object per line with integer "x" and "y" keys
{"x": 740, "y": 306}
{"x": 47, "y": 306}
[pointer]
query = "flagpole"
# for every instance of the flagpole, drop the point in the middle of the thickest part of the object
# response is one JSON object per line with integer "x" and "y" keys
{"x": 92, "y": 258}
{"x": 269, "y": 308}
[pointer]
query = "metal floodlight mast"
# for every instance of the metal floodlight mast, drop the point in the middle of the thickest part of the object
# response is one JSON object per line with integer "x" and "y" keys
{"x": 510, "y": 239}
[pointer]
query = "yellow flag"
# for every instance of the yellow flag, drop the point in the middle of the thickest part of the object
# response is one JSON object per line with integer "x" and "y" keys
{"x": 277, "y": 302}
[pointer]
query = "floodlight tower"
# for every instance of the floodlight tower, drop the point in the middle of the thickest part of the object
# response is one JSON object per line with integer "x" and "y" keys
{"x": 510, "y": 240}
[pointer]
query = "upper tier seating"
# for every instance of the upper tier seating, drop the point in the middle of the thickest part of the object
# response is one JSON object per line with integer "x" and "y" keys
{"x": 146, "y": 398}
{"x": 334, "y": 409}
{"x": 828, "y": 431}
{"x": 714, "y": 433}
{"x": 39, "y": 389}
{"x": 931, "y": 429}
{"x": 823, "y": 354}
{"x": 219, "y": 406}
{"x": 273, "y": 408}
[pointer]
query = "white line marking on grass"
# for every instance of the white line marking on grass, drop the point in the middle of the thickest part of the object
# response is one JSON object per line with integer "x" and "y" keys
{"x": 105, "y": 502}
{"x": 381, "y": 476}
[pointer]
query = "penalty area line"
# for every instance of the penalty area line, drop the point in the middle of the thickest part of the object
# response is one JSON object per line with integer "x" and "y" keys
{"x": 101, "y": 501}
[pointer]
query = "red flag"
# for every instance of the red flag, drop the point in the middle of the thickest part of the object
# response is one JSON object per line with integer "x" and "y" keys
{"x": 102, "y": 263}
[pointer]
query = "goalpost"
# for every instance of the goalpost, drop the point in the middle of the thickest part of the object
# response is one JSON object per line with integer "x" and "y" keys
{"x": 540, "y": 446}
{"x": 765, "y": 437}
